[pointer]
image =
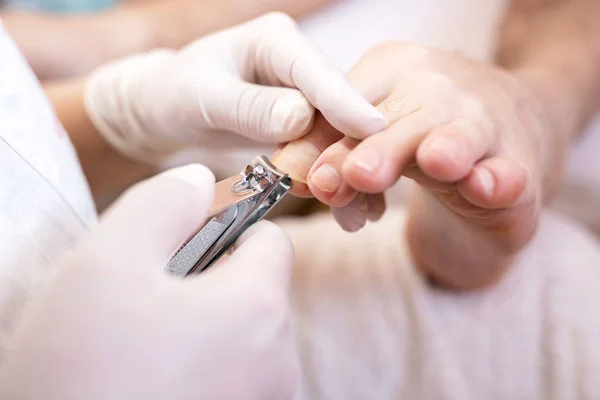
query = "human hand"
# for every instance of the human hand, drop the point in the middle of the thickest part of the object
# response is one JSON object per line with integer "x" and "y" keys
{"x": 471, "y": 135}
{"x": 261, "y": 79}
{"x": 114, "y": 325}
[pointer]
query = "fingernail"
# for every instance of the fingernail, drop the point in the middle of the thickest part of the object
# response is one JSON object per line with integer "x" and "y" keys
{"x": 326, "y": 178}
{"x": 486, "y": 180}
{"x": 369, "y": 160}
{"x": 194, "y": 174}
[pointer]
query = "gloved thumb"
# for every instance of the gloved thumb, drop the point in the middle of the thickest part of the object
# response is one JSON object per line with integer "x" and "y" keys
{"x": 262, "y": 113}
{"x": 148, "y": 223}
{"x": 263, "y": 255}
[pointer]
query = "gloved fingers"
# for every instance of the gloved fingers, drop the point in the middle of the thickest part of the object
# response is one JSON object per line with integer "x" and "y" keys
{"x": 150, "y": 221}
{"x": 282, "y": 55}
{"x": 261, "y": 113}
{"x": 263, "y": 257}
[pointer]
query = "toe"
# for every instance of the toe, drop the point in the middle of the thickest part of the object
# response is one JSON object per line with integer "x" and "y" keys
{"x": 495, "y": 183}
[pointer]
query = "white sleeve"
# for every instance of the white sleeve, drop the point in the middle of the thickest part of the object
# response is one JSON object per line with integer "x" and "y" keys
{"x": 370, "y": 327}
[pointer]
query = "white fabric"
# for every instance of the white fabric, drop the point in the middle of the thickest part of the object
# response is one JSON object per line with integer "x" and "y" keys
{"x": 370, "y": 327}
{"x": 45, "y": 203}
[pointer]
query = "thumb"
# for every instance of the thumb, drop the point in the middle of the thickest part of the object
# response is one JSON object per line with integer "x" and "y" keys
{"x": 262, "y": 113}
{"x": 263, "y": 255}
{"x": 152, "y": 219}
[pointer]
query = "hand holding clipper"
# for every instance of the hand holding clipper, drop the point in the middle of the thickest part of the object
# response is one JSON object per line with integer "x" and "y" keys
{"x": 114, "y": 325}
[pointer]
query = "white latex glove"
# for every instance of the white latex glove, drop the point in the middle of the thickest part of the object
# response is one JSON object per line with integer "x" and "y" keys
{"x": 115, "y": 325}
{"x": 261, "y": 79}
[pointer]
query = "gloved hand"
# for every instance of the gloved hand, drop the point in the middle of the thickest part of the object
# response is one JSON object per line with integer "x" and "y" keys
{"x": 261, "y": 79}
{"x": 115, "y": 325}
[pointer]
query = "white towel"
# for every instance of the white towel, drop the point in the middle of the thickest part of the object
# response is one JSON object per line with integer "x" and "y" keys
{"x": 370, "y": 327}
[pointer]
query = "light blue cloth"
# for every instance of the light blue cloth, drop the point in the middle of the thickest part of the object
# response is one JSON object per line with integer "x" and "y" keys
{"x": 61, "y": 6}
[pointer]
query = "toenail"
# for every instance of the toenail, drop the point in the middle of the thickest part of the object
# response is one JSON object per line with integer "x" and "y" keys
{"x": 447, "y": 148}
{"x": 326, "y": 178}
{"x": 367, "y": 160}
{"x": 486, "y": 180}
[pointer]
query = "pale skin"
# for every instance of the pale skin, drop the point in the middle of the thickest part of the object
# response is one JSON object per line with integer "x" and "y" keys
{"x": 485, "y": 143}
{"x": 66, "y": 46}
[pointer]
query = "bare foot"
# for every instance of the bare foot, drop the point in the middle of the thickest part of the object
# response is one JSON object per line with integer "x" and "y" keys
{"x": 473, "y": 138}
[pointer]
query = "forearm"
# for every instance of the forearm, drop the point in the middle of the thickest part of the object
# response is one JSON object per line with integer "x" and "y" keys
{"x": 59, "y": 47}
{"x": 106, "y": 170}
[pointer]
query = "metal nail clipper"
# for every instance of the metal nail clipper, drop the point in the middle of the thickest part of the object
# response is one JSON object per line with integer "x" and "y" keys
{"x": 239, "y": 202}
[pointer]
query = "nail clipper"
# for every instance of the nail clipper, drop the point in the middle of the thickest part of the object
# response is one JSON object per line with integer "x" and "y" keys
{"x": 239, "y": 202}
